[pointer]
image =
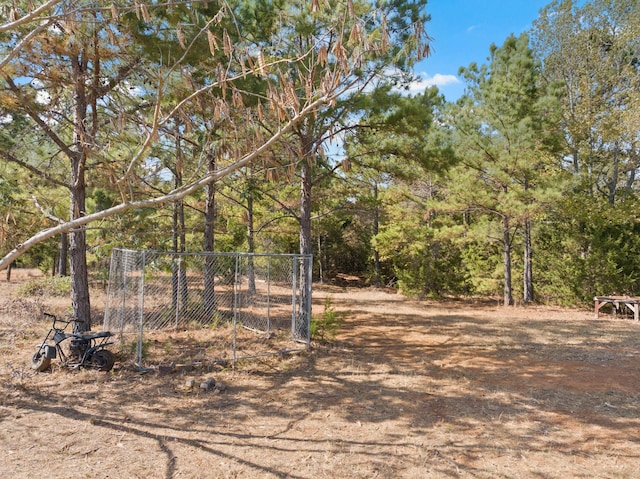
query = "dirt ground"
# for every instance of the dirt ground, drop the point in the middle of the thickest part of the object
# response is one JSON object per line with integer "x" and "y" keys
{"x": 408, "y": 389}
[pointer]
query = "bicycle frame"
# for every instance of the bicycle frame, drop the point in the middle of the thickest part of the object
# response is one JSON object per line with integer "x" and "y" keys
{"x": 84, "y": 345}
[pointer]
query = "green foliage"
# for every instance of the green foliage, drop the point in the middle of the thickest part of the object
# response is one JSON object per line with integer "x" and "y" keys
{"x": 424, "y": 262}
{"x": 129, "y": 349}
{"x": 51, "y": 286}
{"x": 341, "y": 239}
{"x": 483, "y": 265}
{"x": 421, "y": 246}
{"x": 590, "y": 52}
{"x": 325, "y": 326}
{"x": 590, "y": 249}
{"x": 507, "y": 142}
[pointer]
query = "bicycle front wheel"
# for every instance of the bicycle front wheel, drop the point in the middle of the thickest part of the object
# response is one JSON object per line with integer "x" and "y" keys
{"x": 39, "y": 362}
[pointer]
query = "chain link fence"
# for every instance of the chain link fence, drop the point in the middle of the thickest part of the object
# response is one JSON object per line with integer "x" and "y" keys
{"x": 196, "y": 307}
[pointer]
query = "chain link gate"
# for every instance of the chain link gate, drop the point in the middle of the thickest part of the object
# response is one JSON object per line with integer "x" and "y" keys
{"x": 241, "y": 305}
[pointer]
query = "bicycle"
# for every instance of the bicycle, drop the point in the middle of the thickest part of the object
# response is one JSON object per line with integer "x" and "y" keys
{"x": 86, "y": 349}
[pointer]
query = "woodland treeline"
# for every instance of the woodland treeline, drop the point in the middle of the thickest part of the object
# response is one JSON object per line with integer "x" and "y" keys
{"x": 287, "y": 126}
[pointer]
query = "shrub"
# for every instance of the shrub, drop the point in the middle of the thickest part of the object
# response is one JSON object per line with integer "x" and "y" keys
{"x": 325, "y": 326}
{"x": 52, "y": 286}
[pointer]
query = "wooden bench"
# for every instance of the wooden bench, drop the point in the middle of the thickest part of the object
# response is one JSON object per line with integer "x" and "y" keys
{"x": 632, "y": 302}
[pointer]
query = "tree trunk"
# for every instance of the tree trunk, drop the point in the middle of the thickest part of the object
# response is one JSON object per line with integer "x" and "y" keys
{"x": 179, "y": 239}
{"x": 320, "y": 261}
{"x": 305, "y": 207}
{"x": 77, "y": 237}
{"x": 305, "y": 236}
{"x": 209, "y": 241}
{"x": 506, "y": 245}
{"x": 251, "y": 247}
{"x": 528, "y": 263}
{"x": 612, "y": 184}
{"x": 63, "y": 256}
{"x": 78, "y": 255}
{"x": 377, "y": 275}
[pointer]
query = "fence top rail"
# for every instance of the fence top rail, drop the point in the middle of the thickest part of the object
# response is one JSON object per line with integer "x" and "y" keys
{"x": 212, "y": 253}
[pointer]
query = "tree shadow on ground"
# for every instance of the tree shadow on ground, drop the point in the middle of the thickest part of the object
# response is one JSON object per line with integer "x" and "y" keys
{"x": 435, "y": 389}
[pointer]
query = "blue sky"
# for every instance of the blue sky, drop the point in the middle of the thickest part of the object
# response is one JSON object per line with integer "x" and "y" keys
{"x": 462, "y": 32}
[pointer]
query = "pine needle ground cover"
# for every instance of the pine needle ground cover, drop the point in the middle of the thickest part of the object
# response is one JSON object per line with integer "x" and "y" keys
{"x": 404, "y": 389}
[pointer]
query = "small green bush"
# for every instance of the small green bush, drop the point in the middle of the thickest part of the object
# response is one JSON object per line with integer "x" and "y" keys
{"x": 51, "y": 286}
{"x": 325, "y": 326}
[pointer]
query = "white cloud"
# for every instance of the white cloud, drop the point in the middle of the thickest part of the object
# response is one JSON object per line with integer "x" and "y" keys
{"x": 129, "y": 88}
{"x": 425, "y": 81}
{"x": 42, "y": 96}
{"x": 440, "y": 80}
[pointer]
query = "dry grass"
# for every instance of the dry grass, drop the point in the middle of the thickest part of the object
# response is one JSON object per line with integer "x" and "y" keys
{"x": 408, "y": 389}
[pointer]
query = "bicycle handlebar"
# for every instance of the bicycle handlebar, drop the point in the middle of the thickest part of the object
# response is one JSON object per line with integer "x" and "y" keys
{"x": 57, "y": 320}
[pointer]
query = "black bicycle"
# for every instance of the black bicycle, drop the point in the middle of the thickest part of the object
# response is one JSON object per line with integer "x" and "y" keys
{"x": 84, "y": 349}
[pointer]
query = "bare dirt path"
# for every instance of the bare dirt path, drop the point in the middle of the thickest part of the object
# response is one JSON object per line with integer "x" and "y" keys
{"x": 408, "y": 389}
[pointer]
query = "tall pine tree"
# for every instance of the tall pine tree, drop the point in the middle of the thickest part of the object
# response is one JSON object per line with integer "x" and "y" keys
{"x": 505, "y": 126}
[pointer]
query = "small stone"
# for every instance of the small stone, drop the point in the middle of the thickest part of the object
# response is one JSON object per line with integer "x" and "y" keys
{"x": 190, "y": 383}
{"x": 220, "y": 386}
{"x": 207, "y": 384}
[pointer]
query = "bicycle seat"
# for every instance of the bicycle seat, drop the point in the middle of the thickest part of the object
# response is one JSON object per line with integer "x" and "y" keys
{"x": 94, "y": 335}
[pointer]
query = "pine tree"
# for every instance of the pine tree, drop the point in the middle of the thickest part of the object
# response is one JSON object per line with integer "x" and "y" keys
{"x": 506, "y": 133}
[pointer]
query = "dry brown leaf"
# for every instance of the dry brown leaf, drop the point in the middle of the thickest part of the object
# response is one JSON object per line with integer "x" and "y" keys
{"x": 213, "y": 42}
{"x": 180, "y": 35}
{"x": 308, "y": 87}
{"x": 237, "y": 99}
{"x": 323, "y": 55}
{"x": 260, "y": 111}
{"x": 227, "y": 46}
{"x": 221, "y": 75}
{"x": 292, "y": 98}
{"x": 114, "y": 12}
{"x": 271, "y": 175}
{"x": 145, "y": 13}
{"x": 261, "y": 64}
{"x": 355, "y": 35}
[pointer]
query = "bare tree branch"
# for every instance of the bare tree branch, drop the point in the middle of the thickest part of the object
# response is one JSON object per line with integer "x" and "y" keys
{"x": 29, "y": 17}
{"x": 174, "y": 195}
{"x": 41, "y": 123}
{"x": 33, "y": 169}
{"x": 22, "y": 43}
{"x": 45, "y": 212}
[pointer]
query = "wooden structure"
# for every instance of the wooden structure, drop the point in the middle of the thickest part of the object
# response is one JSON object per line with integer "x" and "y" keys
{"x": 631, "y": 302}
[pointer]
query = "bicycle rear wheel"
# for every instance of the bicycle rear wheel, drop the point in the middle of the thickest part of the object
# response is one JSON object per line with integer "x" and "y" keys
{"x": 102, "y": 360}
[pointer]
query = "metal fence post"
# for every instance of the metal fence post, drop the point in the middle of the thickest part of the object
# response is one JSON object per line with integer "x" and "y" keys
{"x": 307, "y": 295}
{"x": 294, "y": 291}
{"x": 235, "y": 310}
{"x": 268, "y": 293}
{"x": 141, "y": 309}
